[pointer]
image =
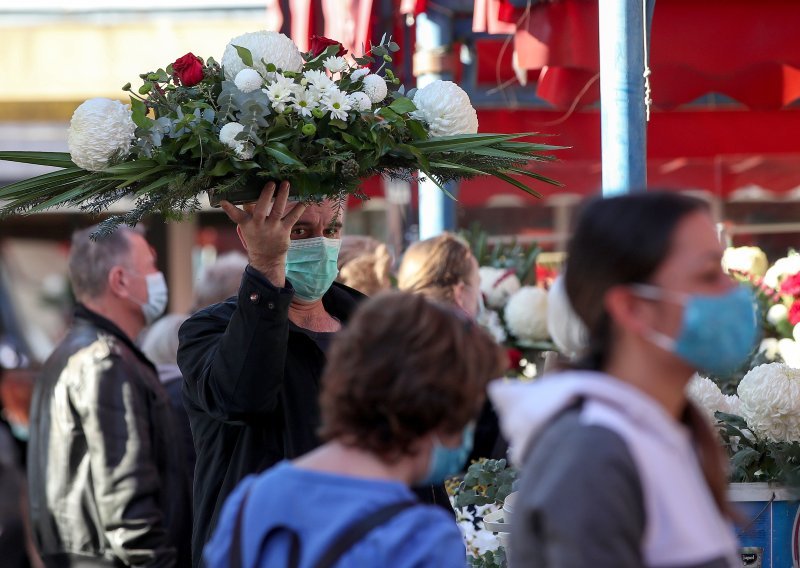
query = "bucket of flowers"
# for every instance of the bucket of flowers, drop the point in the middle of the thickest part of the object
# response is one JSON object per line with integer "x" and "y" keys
{"x": 323, "y": 120}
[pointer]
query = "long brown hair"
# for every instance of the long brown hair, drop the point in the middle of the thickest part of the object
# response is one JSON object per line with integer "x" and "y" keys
{"x": 623, "y": 240}
{"x": 434, "y": 267}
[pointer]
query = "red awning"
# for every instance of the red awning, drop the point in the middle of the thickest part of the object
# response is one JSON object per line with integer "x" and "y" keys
{"x": 743, "y": 49}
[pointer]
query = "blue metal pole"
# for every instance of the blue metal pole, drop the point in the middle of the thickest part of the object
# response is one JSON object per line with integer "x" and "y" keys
{"x": 622, "y": 106}
{"x": 434, "y": 35}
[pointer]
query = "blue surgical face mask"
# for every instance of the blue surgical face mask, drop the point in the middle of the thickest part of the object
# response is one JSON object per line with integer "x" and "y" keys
{"x": 446, "y": 462}
{"x": 311, "y": 266}
{"x": 717, "y": 333}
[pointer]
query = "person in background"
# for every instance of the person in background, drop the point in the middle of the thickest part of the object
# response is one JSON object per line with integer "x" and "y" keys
{"x": 107, "y": 482}
{"x": 251, "y": 365}
{"x": 219, "y": 281}
{"x": 400, "y": 393}
{"x": 364, "y": 264}
{"x": 618, "y": 468}
{"x": 160, "y": 345}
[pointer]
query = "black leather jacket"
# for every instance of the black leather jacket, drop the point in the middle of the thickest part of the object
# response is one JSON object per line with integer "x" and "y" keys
{"x": 106, "y": 471}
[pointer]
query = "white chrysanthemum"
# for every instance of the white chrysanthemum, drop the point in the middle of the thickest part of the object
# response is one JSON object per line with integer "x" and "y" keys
{"x": 359, "y": 74}
{"x": 769, "y": 348}
{"x": 526, "y": 314}
{"x": 777, "y": 314}
{"x": 750, "y": 260}
{"x": 317, "y": 79}
{"x": 336, "y": 102}
{"x": 706, "y": 394}
{"x": 490, "y": 321}
{"x": 782, "y": 268}
{"x": 789, "y": 350}
{"x": 280, "y": 92}
{"x": 567, "y": 330}
{"x": 248, "y": 80}
{"x": 360, "y": 101}
{"x": 335, "y": 64}
{"x": 497, "y": 285}
{"x": 303, "y": 102}
{"x": 375, "y": 88}
{"x": 99, "y": 129}
{"x": 770, "y": 402}
{"x": 734, "y": 404}
{"x": 269, "y": 47}
{"x": 243, "y": 149}
{"x": 445, "y": 107}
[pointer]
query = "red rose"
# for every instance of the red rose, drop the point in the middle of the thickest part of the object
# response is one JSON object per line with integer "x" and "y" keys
{"x": 794, "y": 313}
{"x": 514, "y": 358}
{"x": 188, "y": 69}
{"x": 791, "y": 286}
{"x": 320, "y": 44}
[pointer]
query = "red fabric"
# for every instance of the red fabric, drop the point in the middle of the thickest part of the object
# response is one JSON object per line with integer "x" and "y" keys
{"x": 745, "y": 50}
{"x": 348, "y": 22}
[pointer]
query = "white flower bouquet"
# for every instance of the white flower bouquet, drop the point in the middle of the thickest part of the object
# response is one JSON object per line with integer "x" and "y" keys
{"x": 322, "y": 120}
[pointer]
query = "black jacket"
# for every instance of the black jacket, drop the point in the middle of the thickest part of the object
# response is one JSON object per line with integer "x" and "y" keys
{"x": 251, "y": 383}
{"x": 106, "y": 477}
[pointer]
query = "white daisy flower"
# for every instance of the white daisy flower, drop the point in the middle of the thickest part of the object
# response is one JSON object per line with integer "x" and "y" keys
{"x": 280, "y": 92}
{"x": 335, "y": 64}
{"x": 304, "y": 102}
{"x": 336, "y": 103}
{"x": 317, "y": 79}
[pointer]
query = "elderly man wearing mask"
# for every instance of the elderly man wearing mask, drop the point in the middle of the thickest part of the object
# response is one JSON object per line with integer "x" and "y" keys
{"x": 251, "y": 365}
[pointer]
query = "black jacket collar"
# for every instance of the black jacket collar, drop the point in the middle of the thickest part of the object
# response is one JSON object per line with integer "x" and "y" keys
{"x": 100, "y": 322}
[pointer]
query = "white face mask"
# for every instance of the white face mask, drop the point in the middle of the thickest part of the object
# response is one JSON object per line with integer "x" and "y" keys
{"x": 157, "y": 296}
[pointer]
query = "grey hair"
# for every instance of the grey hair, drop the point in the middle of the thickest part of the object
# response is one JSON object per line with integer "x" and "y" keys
{"x": 220, "y": 280}
{"x": 160, "y": 343}
{"x": 90, "y": 260}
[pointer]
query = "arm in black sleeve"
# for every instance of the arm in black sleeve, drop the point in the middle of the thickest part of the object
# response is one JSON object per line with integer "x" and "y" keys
{"x": 232, "y": 359}
{"x": 580, "y": 503}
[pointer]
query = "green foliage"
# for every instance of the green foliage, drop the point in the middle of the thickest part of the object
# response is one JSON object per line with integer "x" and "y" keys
{"x": 177, "y": 153}
{"x": 490, "y": 559}
{"x": 510, "y": 256}
{"x": 486, "y": 481}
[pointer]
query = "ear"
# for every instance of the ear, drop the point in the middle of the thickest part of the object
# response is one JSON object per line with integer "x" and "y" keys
{"x": 118, "y": 282}
{"x": 625, "y": 309}
{"x": 241, "y": 238}
{"x": 458, "y": 294}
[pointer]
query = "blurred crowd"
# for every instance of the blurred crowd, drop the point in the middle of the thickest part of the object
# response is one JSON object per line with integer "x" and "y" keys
{"x": 310, "y": 408}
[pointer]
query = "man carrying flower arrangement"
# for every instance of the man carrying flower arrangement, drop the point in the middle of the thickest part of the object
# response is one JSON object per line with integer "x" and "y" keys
{"x": 252, "y": 365}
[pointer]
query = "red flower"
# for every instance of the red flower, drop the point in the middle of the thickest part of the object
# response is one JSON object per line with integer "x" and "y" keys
{"x": 791, "y": 286}
{"x": 514, "y": 358}
{"x": 794, "y": 313}
{"x": 188, "y": 69}
{"x": 320, "y": 44}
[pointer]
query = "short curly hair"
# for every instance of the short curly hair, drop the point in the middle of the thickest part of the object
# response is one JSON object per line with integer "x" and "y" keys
{"x": 403, "y": 367}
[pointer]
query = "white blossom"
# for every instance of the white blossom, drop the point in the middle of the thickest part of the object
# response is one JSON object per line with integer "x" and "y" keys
{"x": 446, "y": 108}
{"x": 248, "y": 80}
{"x": 526, "y": 314}
{"x": 375, "y": 88}
{"x": 359, "y": 74}
{"x": 303, "y": 102}
{"x": 770, "y": 402}
{"x": 318, "y": 79}
{"x": 497, "y": 285}
{"x": 769, "y": 348}
{"x": 566, "y": 328}
{"x": 750, "y": 260}
{"x": 777, "y": 314}
{"x": 281, "y": 92}
{"x": 243, "y": 149}
{"x": 782, "y": 268}
{"x": 336, "y": 102}
{"x": 706, "y": 394}
{"x": 264, "y": 46}
{"x": 789, "y": 351}
{"x": 360, "y": 101}
{"x": 335, "y": 64}
{"x": 99, "y": 129}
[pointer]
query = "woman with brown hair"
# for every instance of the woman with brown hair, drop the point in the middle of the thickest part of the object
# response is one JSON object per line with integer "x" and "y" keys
{"x": 619, "y": 469}
{"x": 403, "y": 384}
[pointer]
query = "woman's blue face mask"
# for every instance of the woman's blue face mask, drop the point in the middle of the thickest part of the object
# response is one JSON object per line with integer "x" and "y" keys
{"x": 717, "y": 333}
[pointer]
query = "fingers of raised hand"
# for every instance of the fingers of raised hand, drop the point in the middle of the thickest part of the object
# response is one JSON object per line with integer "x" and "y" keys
{"x": 280, "y": 199}
{"x": 235, "y": 214}
{"x": 264, "y": 201}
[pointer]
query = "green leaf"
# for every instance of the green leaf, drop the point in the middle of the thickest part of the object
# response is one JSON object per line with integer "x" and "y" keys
{"x": 280, "y": 152}
{"x": 389, "y": 114}
{"x": 244, "y": 55}
{"x": 336, "y": 123}
{"x": 417, "y": 130}
{"x": 460, "y": 142}
{"x": 55, "y": 159}
{"x": 402, "y": 105}
{"x": 139, "y": 113}
{"x": 222, "y": 168}
{"x": 534, "y": 175}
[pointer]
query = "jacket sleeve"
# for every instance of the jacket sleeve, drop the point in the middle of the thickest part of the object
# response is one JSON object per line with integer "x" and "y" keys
{"x": 233, "y": 362}
{"x": 579, "y": 504}
{"x": 115, "y": 417}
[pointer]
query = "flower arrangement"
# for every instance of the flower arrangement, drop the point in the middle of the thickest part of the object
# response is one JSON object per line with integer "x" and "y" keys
{"x": 322, "y": 120}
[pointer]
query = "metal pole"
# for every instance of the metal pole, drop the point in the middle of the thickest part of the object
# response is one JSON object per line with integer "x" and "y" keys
{"x": 434, "y": 36}
{"x": 622, "y": 106}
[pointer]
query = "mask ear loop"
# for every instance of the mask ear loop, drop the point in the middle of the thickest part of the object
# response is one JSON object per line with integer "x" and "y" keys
{"x": 658, "y": 294}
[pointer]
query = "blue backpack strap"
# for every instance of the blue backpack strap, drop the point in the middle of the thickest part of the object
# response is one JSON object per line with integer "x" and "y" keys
{"x": 235, "y": 558}
{"x": 354, "y": 533}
